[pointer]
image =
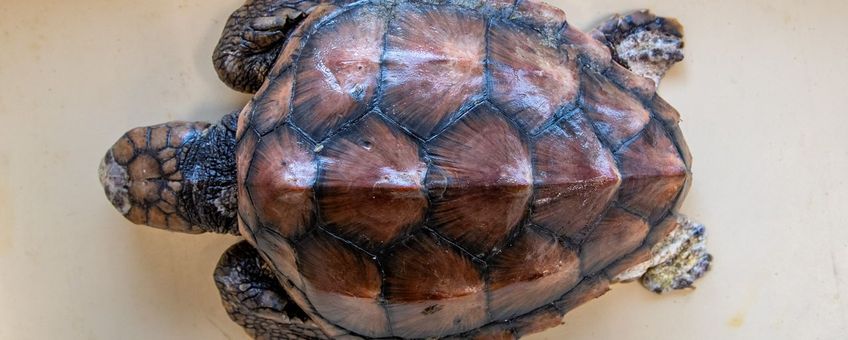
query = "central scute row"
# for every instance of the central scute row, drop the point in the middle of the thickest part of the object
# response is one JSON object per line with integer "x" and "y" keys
{"x": 435, "y": 168}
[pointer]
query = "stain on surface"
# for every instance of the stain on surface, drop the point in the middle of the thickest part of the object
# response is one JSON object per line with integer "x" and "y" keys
{"x": 737, "y": 320}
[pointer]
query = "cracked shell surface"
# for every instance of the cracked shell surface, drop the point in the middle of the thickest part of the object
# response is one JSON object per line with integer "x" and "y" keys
{"x": 412, "y": 163}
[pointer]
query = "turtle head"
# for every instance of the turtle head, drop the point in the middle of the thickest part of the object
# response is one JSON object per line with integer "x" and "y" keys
{"x": 178, "y": 176}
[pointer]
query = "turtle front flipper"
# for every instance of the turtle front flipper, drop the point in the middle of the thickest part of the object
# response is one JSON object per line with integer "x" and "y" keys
{"x": 253, "y": 37}
{"x": 255, "y": 300}
{"x": 646, "y": 44}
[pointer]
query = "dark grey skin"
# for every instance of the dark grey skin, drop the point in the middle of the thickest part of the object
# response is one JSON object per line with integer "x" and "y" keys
{"x": 189, "y": 185}
{"x": 253, "y": 37}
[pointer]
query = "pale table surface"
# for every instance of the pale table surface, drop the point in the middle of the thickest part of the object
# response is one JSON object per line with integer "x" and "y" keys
{"x": 763, "y": 93}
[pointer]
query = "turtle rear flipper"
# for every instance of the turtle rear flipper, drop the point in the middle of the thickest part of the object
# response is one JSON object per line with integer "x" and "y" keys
{"x": 675, "y": 255}
{"x": 646, "y": 44}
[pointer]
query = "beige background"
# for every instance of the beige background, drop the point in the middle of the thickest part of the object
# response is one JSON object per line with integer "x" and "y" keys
{"x": 763, "y": 97}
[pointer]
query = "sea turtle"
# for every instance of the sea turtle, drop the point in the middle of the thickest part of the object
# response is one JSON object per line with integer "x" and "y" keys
{"x": 425, "y": 168}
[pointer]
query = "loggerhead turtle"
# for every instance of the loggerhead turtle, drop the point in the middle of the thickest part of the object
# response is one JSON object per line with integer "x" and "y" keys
{"x": 425, "y": 169}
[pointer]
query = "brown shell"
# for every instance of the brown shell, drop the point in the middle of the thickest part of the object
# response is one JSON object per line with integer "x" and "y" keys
{"x": 420, "y": 170}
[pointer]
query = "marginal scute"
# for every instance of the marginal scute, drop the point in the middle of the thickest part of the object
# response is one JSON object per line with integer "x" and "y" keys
{"x": 686, "y": 156}
{"x": 537, "y": 321}
{"x": 616, "y": 235}
{"x": 495, "y": 332}
{"x": 588, "y": 289}
{"x": 433, "y": 65}
{"x": 616, "y": 114}
{"x": 244, "y": 156}
{"x": 338, "y": 70}
{"x": 575, "y": 177}
{"x": 480, "y": 180}
{"x": 593, "y": 53}
{"x": 531, "y": 81}
{"x": 636, "y": 258}
{"x": 661, "y": 230}
{"x": 664, "y": 111}
{"x": 244, "y": 117}
{"x": 534, "y": 270}
{"x": 682, "y": 146}
{"x": 346, "y": 289}
{"x": 281, "y": 254}
{"x": 371, "y": 189}
{"x": 274, "y": 106}
{"x": 652, "y": 173}
{"x": 681, "y": 196}
{"x": 280, "y": 182}
{"x": 643, "y": 87}
{"x": 539, "y": 14}
{"x": 432, "y": 288}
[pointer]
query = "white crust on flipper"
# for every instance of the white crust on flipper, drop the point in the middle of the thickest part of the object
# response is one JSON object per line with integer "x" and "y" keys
{"x": 646, "y": 44}
{"x": 676, "y": 262}
{"x": 650, "y": 54}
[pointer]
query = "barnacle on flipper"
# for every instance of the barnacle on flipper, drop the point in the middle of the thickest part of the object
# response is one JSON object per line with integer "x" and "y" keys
{"x": 676, "y": 262}
{"x": 679, "y": 260}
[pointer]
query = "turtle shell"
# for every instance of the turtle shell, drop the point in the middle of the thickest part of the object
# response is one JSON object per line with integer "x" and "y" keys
{"x": 419, "y": 170}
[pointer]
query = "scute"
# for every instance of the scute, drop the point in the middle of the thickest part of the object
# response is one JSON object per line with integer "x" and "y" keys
{"x": 371, "y": 189}
{"x": 384, "y": 168}
{"x": 432, "y": 288}
{"x": 480, "y": 180}
{"x": 619, "y": 233}
{"x": 350, "y": 281}
{"x": 576, "y": 177}
{"x": 338, "y": 70}
{"x": 616, "y": 114}
{"x": 531, "y": 80}
{"x": 540, "y": 15}
{"x": 536, "y": 269}
{"x": 280, "y": 181}
{"x": 433, "y": 65}
{"x": 652, "y": 172}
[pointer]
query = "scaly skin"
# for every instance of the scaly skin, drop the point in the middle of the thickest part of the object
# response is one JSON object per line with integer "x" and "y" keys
{"x": 178, "y": 176}
{"x": 252, "y": 39}
{"x": 254, "y": 299}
